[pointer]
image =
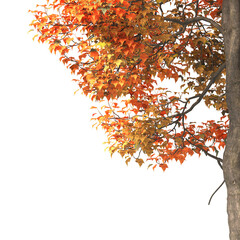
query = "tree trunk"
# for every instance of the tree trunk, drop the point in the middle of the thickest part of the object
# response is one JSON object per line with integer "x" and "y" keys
{"x": 231, "y": 159}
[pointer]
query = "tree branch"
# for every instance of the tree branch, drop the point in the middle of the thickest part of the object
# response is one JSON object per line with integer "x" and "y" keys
{"x": 196, "y": 19}
{"x": 214, "y": 76}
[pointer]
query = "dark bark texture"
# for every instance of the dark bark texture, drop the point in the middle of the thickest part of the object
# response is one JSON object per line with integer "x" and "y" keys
{"x": 231, "y": 159}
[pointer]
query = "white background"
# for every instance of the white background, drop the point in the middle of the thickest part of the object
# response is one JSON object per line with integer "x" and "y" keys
{"x": 56, "y": 181}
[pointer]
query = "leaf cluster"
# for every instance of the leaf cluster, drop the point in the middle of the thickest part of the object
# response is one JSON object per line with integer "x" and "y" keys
{"x": 123, "y": 51}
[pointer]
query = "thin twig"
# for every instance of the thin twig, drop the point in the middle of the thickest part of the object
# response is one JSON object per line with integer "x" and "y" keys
{"x": 215, "y": 192}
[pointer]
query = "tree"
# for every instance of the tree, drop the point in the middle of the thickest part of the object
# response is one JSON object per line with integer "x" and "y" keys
{"x": 122, "y": 53}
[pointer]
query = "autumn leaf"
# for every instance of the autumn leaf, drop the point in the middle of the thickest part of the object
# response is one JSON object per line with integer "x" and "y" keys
{"x": 94, "y": 54}
{"x": 131, "y": 16}
{"x": 127, "y": 161}
{"x": 140, "y": 161}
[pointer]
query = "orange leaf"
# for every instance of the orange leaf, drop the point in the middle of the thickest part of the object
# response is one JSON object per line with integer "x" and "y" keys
{"x": 131, "y": 16}
{"x": 94, "y": 54}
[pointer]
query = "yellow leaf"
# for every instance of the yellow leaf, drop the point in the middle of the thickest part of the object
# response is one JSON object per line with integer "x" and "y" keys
{"x": 76, "y": 91}
{"x": 100, "y": 86}
{"x": 109, "y": 56}
{"x": 79, "y": 17}
{"x": 106, "y": 68}
{"x": 34, "y": 37}
{"x": 118, "y": 62}
{"x": 101, "y": 45}
{"x": 30, "y": 30}
{"x": 68, "y": 40}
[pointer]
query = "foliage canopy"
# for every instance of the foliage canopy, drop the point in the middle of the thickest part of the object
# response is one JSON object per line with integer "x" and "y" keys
{"x": 121, "y": 52}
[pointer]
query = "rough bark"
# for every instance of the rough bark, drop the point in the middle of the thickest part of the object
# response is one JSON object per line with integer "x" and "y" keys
{"x": 231, "y": 159}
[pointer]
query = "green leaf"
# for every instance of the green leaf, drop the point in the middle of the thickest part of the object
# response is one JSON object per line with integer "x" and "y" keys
{"x": 104, "y": 10}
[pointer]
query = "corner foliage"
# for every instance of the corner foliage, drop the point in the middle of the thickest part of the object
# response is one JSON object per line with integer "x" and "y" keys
{"x": 121, "y": 51}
